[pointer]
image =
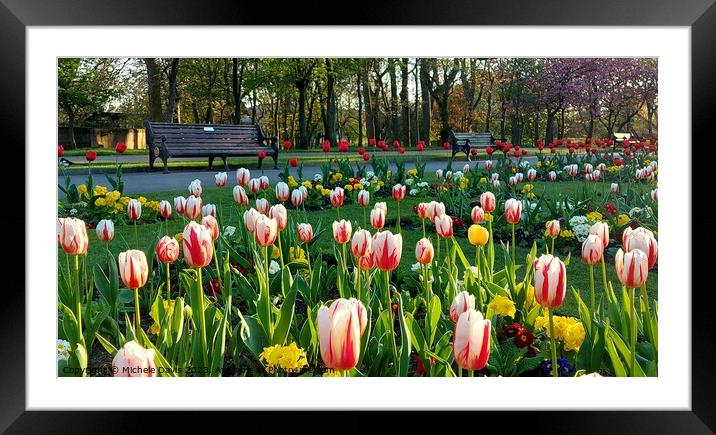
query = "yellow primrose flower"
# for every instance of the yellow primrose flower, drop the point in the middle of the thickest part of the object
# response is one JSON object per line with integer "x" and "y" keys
{"x": 594, "y": 216}
{"x": 412, "y": 172}
{"x": 142, "y": 200}
{"x": 381, "y": 183}
{"x": 178, "y": 237}
{"x": 358, "y": 186}
{"x": 538, "y": 165}
{"x": 319, "y": 187}
{"x": 566, "y": 234}
{"x": 483, "y": 180}
{"x": 275, "y": 252}
{"x": 82, "y": 189}
{"x": 100, "y": 202}
{"x": 99, "y": 190}
{"x": 348, "y": 187}
{"x": 502, "y": 306}
{"x": 530, "y": 195}
{"x": 573, "y": 336}
{"x": 623, "y": 219}
{"x": 289, "y": 357}
{"x": 125, "y": 200}
{"x": 307, "y": 184}
{"x": 330, "y": 373}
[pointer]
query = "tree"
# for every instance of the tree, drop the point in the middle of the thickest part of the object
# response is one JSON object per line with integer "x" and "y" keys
{"x": 174, "y": 71}
{"x": 404, "y": 102}
{"x": 154, "y": 87}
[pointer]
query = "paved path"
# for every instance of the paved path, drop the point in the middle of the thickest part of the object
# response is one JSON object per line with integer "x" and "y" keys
{"x": 143, "y": 182}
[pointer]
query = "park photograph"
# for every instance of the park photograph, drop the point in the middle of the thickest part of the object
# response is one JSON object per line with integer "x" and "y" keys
{"x": 412, "y": 217}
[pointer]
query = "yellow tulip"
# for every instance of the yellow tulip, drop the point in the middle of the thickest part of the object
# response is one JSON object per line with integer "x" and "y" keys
{"x": 477, "y": 235}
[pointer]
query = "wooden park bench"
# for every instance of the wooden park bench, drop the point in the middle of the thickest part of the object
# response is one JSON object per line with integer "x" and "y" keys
{"x": 166, "y": 140}
{"x": 462, "y": 142}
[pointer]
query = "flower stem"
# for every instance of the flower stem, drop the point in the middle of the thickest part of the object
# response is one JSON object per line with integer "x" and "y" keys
{"x": 554, "y": 344}
{"x": 553, "y": 245}
{"x": 513, "y": 243}
{"x": 398, "y": 225}
{"x": 365, "y": 217}
{"x": 280, "y": 249}
{"x": 632, "y": 344}
{"x": 137, "y": 315}
{"x": 78, "y": 298}
{"x": 491, "y": 249}
{"x": 136, "y": 235}
{"x": 169, "y": 292}
{"x": 592, "y": 298}
{"x": 423, "y": 221}
{"x": 604, "y": 273}
{"x": 202, "y": 316}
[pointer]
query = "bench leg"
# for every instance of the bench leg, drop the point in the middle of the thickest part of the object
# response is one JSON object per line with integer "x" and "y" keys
{"x": 226, "y": 166}
{"x": 275, "y": 161}
{"x": 211, "y": 162}
{"x": 151, "y": 162}
{"x": 166, "y": 166}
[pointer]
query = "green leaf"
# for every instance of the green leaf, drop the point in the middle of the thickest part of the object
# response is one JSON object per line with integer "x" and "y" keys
{"x": 417, "y": 337}
{"x": 256, "y": 339}
{"x": 617, "y": 364}
{"x": 111, "y": 350}
{"x": 405, "y": 341}
{"x": 285, "y": 317}
{"x": 435, "y": 311}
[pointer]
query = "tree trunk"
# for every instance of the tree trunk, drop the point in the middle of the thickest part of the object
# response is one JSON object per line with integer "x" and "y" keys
{"x": 71, "y": 128}
{"x": 369, "y": 114}
{"x": 301, "y": 85}
{"x": 416, "y": 128}
{"x": 536, "y": 126}
{"x": 330, "y": 116}
{"x": 154, "y": 88}
{"x": 404, "y": 103}
{"x": 195, "y": 112}
{"x": 426, "y": 101}
{"x": 444, "y": 115}
{"x": 171, "y": 104}
{"x": 561, "y": 124}
{"x": 503, "y": 113}
{"x": 549, "y": 129}
{"x": 394, "y": 119}
{"x": 237, "y": 80}
{"x": 360, "y": 113}
{"x": 516, "y": 130}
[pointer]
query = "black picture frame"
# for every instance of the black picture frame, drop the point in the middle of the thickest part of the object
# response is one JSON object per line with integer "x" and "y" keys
{"x": 699, "y": 15}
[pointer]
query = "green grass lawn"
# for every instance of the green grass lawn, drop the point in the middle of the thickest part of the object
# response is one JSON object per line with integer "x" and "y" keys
{"x": 577, "y": 273}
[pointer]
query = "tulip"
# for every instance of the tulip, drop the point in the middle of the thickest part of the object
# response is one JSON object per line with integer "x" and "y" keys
{"x": 167, "y": 249}
{"x": 210, "y": 222}
{"x": 655, "y": 195}
{"x": 342, "y": 231}
{"x": 387, "y": 249}
{"x": 265, "y": 230}
{"x": 264, "y": 181}
{"x": 632, "y": 269}
{"x": 208, "y": 210}
{"x": 134, "y": 209}
{"x": 596, "y": 175}
{"x": 132, "y": 360}
{"x": 195, "y": 188}
{"x": 282, "y": 191}
{"x": 512, "y": 181}
{"x": 194, "y": 207}
{"x": 398, "y": 192}
{"x": 462, "y": 302}
{"x": 615, "y": 188}
{"x": 552, "y": 176}
{"x": 592, "y": 253}
{"x": 588, "y": 168}
{"x": 60, "y": 150}
{"x": 363, "y": 198}
{"x": 439, "y": 173}
{"x": 553, "y": 230}
{"x": 361, "y": 243}
{"x": 495, "y": 176}
{"x": 220, "y": 179}
{"x": 471, "y": 346}
{"x": 487, "y": 201}
{"x": 240, "y": 196}
{"x": 477, "y": 235}
{"x": 550, "y": 277}
{"x": 134, "y": 271}
{"x": 488, "y": 165}
{"x": 520, "y": 176}
{"x": 72, "y": 236}
{"x": 477, "y": 215}
{"x": 198, "y": 245}
{"x": 367, "y": 262}
{"x": 105, "y": 230}
{"x": 296, "y": 198}
{"x": 423, "y": 210}
{"x": 588, "y": 177}
{"x": 448, "y": 175}
{"x": 601, "y": 230}
{"x": 90, "y": 156}
{"x": 254, "y": 185}
{"x": 644, "y": 240}
{"x": 250, "y": 217}
{"x": 279, "y": 213}
{"x": 304, "y": 192}
{"x": 243, "y": 176}
{"x": 337, "y": 196}
{"x": 165, "y": 209}
{"x": 340, "y": 328}
{"x": 377, "y": 218}
{"x": 305, "y": 233}
{"x": 532, "y": 174}
{"x": 262, "y": 205}
{"x": 180, "y": 204}
{"x": 443, "y": 226}
{"x": 435, "y": 209}
{"x": 424, "y": 251}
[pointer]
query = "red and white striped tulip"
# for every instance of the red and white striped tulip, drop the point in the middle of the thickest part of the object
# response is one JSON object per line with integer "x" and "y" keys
{"x": 337, "y": 196}
{"x": 655, "y": 195}
{"x": 477, "y": 215}
{"x": 342, "y": 231}
{"x": 240, "y": 196}
{"x": 436, "y": 209}
{"x": 377, "y": 218}
{"x": 304, "y": 192}
{"x": 193, "y": 207}
{"x": 423, "y": 210}
{"x": 220, "y": 179}
{"x": 167, "y": 249}
{"x": 381, "y": 206}
{"x": 387, "y": 250}
{"x": 165, "y": 209}
{"x": 180, "y": 204}
{"x": 601, "y": 230}
{"x": 296, "y": 198}
{"x": 279, "y": 213}
{"x": 572, "y": 170}
{"x": 592, "y": 250}
{"x": 644, "y": 240}
{"x": 367, "y": 262}
{"x": 597, "y": 175}
{"x": 424, "y": 251}
{"x": 243, "y": 176}
{"x": 134, "y": 210}
{"x": 602, "y": 167}
{"x": 72, "y": 236}
{"x": 513, "y": 211}
{"x": 363, "y": 198}
{"x": 632, "y": 267}
{"x": 398, "y": 192}
{"x": 443, "y": 226}
{"x": 520, "y": 176}
{"x": 512, "y": 181}
{"x": 361, "y": 243}
{"x": 105, "y": 230}
{"x": 212, "y": 224}
{"x": 588, "y": 177}
{"x": 208, "y": 210}
{"x": 471, "y": 346}
{"x": 615, "y": 188}
{"x": 532, "y": 174}
{"x": 553, "y": 228}
{"x": 133, "y": 361}
{"x": 466, "y": 168}
{"x": 487, "y": 201}
{"x": 265, "y": 231}
{"x": 197, "y": 244}
{"x": 262, "y": 205}
{"x": 552, "y": 176}
{"x": 195, "y": 188}
{"x": 496, "y": 184}
{"x": 438, "y": 173}
{"x": 448, "y": 175}
{"x": 305, "y": 233}
{"x": 250, "y": 217}
{"x": 550, "y": 278}
{"x": 494, "y": 176}
{"x": 462, "y": 302}
{"x": 254, "y": 185}
{"x": 488, "y": 165}
{"x": 588, "y": 168}
{"x": 133, "y": 268}
{"x": 282, "y": 191}
{"x": 340, "y": 328}
{"x": 264, "y": 182}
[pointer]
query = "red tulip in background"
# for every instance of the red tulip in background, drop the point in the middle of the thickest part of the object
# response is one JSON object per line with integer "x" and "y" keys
{"x": 343, "y": 146}
{"x": 293, "y": 162}
{"x": 60, "y": 150}
{"x": 372, "y": 142}
{"x": 524, "y": 152}
{"x": 287, "y": 144}
{"x": 419, "y": 146}
{"x": 396, "y": 144}
{"x": 262, "y": 155}
{"x": 326, "y": 146}
{"x": 361, "y": 150}
{"x": 489, "y": 151}
{"x": 90, "y": 156}
{"x": 381, "y": 144}
{"x": 366, "y": 157}
{"x": 473, "y": 152}
{"x": 120, "y": 147}
{"x": 401, "y": 150}
{"x": 446, "y": 145}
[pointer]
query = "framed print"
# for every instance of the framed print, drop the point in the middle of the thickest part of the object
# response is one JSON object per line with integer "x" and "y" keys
{"x": 467, "y": 206}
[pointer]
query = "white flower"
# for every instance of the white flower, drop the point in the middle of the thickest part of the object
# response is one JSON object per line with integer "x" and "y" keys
{"x": 409, "y": 182}
{"x": 633, "y": 213}
{"x": 581, "y": 231}
{"x": 525, "y": 164}
{"x": 73, "y": 211}
{"x": 415, "y": 267}
{"x": 62, "y": 357}
{"x": 369, "y": 174}
{"x": 458, "y": 175}
{"x": 318, "y": 178}
{"x": 229, "y": 231}
{"x": 63, "y": 346}
{"x": 422, "y": 184}
{"x": 578, "y": 220}
{"x": 413, "y": 192}
{"x": 274, "y": 267}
